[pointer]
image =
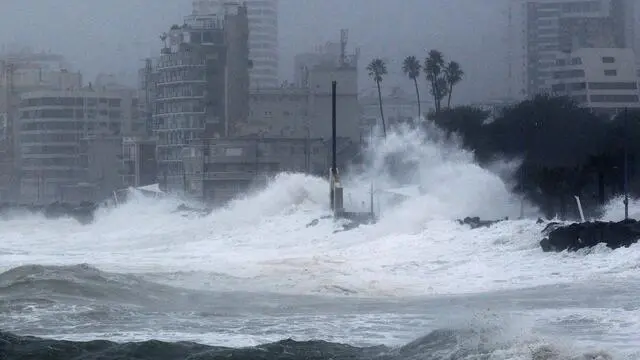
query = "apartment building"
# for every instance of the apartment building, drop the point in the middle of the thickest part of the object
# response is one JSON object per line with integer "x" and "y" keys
{"x": 602, "y": 79}
{"x": 20, "y": 72}
{"x": 54, "y": 127}
{"x": 551, "y": 27}
{"x": 263, "y": 36}
{"x": 303, "y": 109}
{"x": 200, "y": 86}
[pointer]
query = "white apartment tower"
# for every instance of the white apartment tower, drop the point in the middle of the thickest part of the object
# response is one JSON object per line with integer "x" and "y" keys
{"x": 603, "y": 79}
{"x": 549, "y": 28}
{"x": 263, "y": 37}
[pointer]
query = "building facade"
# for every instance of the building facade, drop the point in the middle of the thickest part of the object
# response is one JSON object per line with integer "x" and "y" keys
{"x": 22, "y": 72}
{"x": 263, "y": 37}
{"x": 554, "y": 26}
{"x": 399, "y": 106}
{"x": 200, "y": 85}
{"x": 139, "y": 166}
{"x": 603, "y": 79}
{"x": 53, "y": 127}
{"x": 218, "y": 170}
{"x": 303, "y": 109}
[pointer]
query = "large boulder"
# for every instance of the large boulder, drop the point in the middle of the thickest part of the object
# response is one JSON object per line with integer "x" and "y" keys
{"x": 475, "y": 222}
{"x": 589, "y": 234}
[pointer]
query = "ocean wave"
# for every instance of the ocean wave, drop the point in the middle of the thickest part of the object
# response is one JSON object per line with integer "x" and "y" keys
{"x": 450, "y": 344}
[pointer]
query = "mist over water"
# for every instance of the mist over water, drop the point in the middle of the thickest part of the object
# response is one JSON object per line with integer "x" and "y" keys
{"x": 262, "y": 243}
{"x": 447, "y": 181}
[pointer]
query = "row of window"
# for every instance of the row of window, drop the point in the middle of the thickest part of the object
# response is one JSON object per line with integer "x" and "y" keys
{"x": 70, "y": 101}
{"x": 181, "y": 75}
{"x": 180, "y": 122}
{"x": 607, "y": 98}
{"x": 50, "y": 149}
{"x": 180, "y": 91}
{"x": 70, "y": 174}
{"x": 72, "y": 126}
{"x": 596, "y": 86}
{"x": 68, "y": 114}
{"x": 63, "y": 162}
{"x": 179, "y": 59}
{"x": 186, "y": 106}
{"x": 49, "y": 138}
{"x": 577, "y": 73}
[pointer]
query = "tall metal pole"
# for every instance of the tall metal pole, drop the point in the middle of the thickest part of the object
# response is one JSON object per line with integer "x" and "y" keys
{"x": 334, "y": 162}
{"x": 626, "y": 164}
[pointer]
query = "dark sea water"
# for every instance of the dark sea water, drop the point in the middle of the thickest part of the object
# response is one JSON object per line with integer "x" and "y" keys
{"x": 82, "y": 303}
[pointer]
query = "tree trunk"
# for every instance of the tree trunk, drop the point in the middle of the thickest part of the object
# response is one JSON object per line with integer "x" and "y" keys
{"x": 449, "y": 99}
{"x": 601, "y": 187}
{"x": 415, "y": 81}
{"x": 384, "y": 125}
{"x": 434, "y": 93}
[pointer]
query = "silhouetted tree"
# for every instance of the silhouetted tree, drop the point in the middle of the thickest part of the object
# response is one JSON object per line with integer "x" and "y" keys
{"x": 411, "y": 67}
{"x": 434, "y": 67}
{"x": 466, "y": 121}
{"x": 377, "y": 70}
{"x": 453, "y": 75}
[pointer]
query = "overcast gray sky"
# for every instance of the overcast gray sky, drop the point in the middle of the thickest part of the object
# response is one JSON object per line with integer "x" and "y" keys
{"x": 115, "y": 35}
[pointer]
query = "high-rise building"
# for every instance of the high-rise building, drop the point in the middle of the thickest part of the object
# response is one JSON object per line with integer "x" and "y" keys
{"x": 21, "y": 72}
{"x": 201, "y": 86}
{"x": 263, "y": 37}
{"x": 54, "y": 125}
{"x": 554, "y": 27}
{"x": 603, "y": 79}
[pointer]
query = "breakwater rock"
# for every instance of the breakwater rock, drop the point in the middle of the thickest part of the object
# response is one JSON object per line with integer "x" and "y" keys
{"x": 578, "y": 236}
{"x": 475, "y": 222}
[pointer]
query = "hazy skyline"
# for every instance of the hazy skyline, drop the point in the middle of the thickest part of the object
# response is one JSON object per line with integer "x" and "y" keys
{"x": 114, "y": 36}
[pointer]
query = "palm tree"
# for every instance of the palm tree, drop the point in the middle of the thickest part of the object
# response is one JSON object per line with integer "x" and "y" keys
{"x": 453, "y": 74}
{"x": 433, "y": 67}
{"x": 411, "y": 67}
{"x": 377, "y": 69}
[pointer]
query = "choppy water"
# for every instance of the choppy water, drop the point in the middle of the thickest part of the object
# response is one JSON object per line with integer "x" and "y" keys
{"x": 254, "y": 272}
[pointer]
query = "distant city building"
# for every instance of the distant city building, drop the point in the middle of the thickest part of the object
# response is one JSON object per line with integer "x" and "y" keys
{"x": 400, "y": 107}
{"x": 200, "y": 86}
{"x": 602, "y": 79}
{"x": 20, "y": 72}
{"x": 551, "y": 27}
{"x": 217, "y": 170}
{"x": 55, "y": 128}
{"x": 303, "y": 109}
{"x": 263, "y": 36}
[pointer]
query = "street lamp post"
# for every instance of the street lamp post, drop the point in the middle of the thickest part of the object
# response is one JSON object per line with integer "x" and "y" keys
{"x": 626, "y": 165}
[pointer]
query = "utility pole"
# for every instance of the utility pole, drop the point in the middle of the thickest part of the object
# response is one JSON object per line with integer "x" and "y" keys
{"x": 626, "y": 164}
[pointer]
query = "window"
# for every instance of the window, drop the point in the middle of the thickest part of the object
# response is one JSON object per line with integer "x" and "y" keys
{"x": 615, "y": 98}
{"x": 611, "y": 72}
{"x": 608, "y": 59}
{"x": 613, "y": 85}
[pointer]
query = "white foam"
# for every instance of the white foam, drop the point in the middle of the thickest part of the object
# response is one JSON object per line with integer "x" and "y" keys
{"x": 262, "y": 242}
